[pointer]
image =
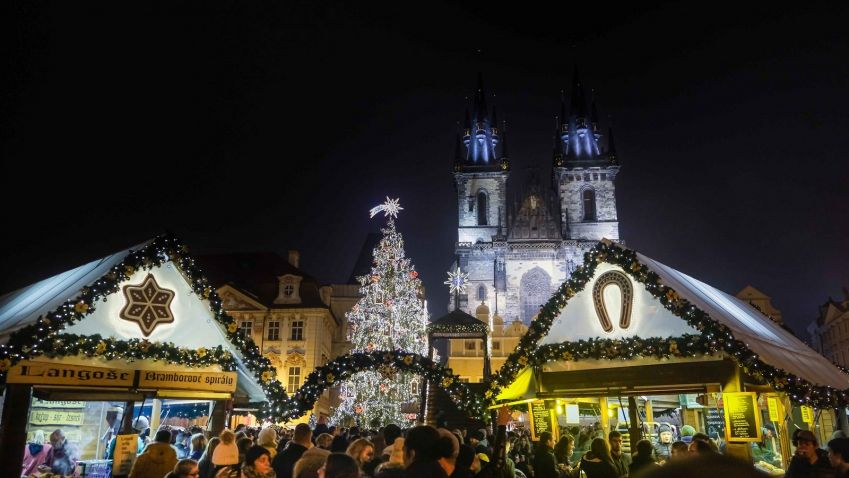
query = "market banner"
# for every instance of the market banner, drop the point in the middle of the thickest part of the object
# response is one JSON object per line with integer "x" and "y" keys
{"x": 36, "y": 403}
{"x": 56, "y": 417}
{"x": 43, "y": 373}
{"x": 210, "y": 382}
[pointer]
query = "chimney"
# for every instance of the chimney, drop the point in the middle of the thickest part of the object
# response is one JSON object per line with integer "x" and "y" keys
{"x": 294, "y": 258}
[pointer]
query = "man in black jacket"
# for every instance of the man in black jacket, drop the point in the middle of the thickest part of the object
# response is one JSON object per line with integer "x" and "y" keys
{"x": 545, "y": 465}
{"x": 809, "y": 461}
{"x": 284, "y": 462}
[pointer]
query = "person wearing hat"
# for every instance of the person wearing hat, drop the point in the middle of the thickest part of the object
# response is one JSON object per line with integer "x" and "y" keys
{"x": 809, "y": 461}
{"x": 687, "y": 432}
{"x": 663, "y": 447}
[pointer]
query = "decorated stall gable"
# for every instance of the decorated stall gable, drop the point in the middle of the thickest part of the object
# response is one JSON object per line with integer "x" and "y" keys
{"x": 153, "y": 303}
{"x": 721, "y": 322}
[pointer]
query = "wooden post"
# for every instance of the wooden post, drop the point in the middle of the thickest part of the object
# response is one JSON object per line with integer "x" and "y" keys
{"x": 634, "y": 431}
{"x": 605, "y": 418}
{"x": 127, "y": 418}
{"x": 13, "y": 429}
{"x": 218, "y": 418}
{"x": 649, "y": 411}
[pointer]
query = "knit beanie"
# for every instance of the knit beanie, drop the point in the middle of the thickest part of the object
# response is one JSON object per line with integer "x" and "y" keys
{"x": 254, "y": 453}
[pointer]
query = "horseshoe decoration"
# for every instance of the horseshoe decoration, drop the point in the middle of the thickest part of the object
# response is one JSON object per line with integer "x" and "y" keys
{"x": 626, "y": 292}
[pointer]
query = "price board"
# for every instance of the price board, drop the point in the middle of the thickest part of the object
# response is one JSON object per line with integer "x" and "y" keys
{"x": 742, "y": 417}
{"x": 541, "y": 419}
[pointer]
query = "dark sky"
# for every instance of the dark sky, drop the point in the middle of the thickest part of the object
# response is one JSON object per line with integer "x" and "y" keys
{"x": 243, "y": 128}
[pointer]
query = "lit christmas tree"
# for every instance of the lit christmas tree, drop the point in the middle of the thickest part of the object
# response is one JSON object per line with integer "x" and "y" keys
{"x": 391, "y": 315}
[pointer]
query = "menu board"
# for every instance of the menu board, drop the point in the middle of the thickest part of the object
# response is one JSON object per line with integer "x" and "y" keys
{"x": 742, "y": 417}
{"x": 540, "y": 419}
{"x": 126, "y": 448}
{"x": 715, "y": 422}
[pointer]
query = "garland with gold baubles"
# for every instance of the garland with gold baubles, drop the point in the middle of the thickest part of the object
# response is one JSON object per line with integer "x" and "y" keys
{"x": 44, "y": 337}
{"x": 715, "y": 337}
{"x": 387, "y": 363}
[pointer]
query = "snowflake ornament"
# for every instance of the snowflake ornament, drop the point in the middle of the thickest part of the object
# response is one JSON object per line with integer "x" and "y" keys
{"x": 390, "y": 208}
{"x": 457, "y": 281}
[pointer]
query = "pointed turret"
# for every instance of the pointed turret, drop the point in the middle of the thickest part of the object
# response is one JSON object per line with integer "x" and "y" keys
{"x": 594, "y": 116}
{"x": 481, "y": 136}
{"x": 580, "y": 131}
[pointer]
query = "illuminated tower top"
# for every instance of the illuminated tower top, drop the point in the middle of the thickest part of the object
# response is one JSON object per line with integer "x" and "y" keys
{"x": 579, "y": 132}
{"x": 481, "y": 138}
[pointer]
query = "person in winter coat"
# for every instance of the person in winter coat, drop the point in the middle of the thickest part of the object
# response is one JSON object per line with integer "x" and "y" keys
{"x": 663, "y": 447}
{"x": 545, "y": 464}
{"x": 394, "y": 466}
{"x": 205, "y": 466}
{"x": 339, "y": 465}
{"x": 198, "y": 446}
{"x": 185, "y": 468}
{"x": 284, "y": 462}
{"x": 643, "y": 458}
{"x": 268, "y": 438}
{"x": 36, "y": 453}
{"x": 62, "y": 460}
{"x": 157, "y": 459}
{"x": 226, "y": 453}
{"x": 597, "y": 462}
{"x": 257, "y": 464}
{"x": 420, "y": 453}
{"x": 809, "y": 461}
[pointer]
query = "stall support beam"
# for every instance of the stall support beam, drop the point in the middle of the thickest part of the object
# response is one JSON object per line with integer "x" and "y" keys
{"x": 605, "y": 417}
{"x": 155, "y": 414}
{"x": 634, "y": 430}
{"x": 649, "y": 411}
{"x": 13, "y": 430}
{"x": 127, "y": 418}
{"x": 218, "y": 417}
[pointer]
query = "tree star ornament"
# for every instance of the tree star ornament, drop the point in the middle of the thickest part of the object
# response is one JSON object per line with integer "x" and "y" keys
{"x": 457, "y": 281}
{"x": 390, "y": 208}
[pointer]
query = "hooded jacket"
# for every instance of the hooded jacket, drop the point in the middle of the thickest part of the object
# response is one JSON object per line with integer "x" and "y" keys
{"x": 267, "y": 438}
{"x": 156, "y": 460}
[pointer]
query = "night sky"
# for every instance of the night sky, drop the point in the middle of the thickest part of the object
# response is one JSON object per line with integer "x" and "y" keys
{"x": 245, "y": 128}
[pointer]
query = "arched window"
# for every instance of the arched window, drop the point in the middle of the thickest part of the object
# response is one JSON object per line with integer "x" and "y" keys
{"x": 482, "y": 212}
{"x": 534, "y": 290}
{"x": 589, "y": 204}
{"x": 482, "y": 293}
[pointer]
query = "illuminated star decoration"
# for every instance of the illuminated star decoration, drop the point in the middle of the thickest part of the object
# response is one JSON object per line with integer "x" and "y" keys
{"x": 389, "y": 208}
{"x": 457, "y": 281}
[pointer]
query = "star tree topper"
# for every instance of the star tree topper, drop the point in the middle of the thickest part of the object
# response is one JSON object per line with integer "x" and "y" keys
{"x": 390, "y": 208}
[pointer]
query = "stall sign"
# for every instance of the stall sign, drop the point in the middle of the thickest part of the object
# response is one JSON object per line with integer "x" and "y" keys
{"x": 774, "y": 409}
{"x": 126, "y": 448}
{"x": 742, "y": 417}
{"x": 807, "y": 414}
{"x": 41, "y": 373}
{"x": 57, "y": 417}
{"x": 37, "y": 403}
{"x": 540, "y": 419}
{"x": 211, "y": 382}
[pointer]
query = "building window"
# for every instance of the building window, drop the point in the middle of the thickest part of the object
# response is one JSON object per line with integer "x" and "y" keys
{"x": 274, "y": 330}
{"x": 482, "y": 211}
{"x": 470, "y": 345}
{"x": 589, "y": 205}
{"x": 297, "y": 330}
{"x": 247, "y": 327}
{"x": 414, "y": 387}
{"x": 496, "y": 345}
{"x": 294, "y": 380}
{"x": 288, "y": 290}
{"x": 481, "y": 293}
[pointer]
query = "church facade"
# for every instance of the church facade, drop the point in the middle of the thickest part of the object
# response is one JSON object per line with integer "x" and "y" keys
{"x": 518, "y": 243}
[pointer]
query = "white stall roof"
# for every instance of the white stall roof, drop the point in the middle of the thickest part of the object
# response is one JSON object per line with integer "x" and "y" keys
{"x": 24, "y": 306}
{"x": 775, "y": 345}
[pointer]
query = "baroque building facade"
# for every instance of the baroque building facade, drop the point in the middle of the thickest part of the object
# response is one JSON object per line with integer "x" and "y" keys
{"x": 518, "y": 244}
{"x": 294, "y": 319}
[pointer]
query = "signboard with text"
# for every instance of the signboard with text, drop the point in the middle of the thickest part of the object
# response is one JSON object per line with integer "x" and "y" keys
{"x": 126, "y": 448}
{"x": 742, "y": 417}
{"x": 209, "y": 382}
{"x": 540, "y": 419}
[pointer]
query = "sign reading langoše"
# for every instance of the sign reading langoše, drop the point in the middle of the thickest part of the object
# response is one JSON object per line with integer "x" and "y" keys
{"x": 46, "y": 373}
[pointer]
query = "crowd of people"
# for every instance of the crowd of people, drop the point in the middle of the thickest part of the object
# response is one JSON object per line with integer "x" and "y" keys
{"x": 424, "y": 451}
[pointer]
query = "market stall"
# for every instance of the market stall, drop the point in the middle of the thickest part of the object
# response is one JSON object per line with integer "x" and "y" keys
{"x": 633, "y": 345}
{"x": 119, "y": 334}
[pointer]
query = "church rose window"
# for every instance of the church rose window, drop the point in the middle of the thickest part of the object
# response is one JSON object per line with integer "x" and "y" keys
{"x": 589, "y": 204}
{"x": 535, "y": 290}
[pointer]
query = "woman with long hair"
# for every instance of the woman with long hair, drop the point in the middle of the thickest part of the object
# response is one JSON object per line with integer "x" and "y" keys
{"x": 205, "y": 466}
{"x": 339, "y": 465}
{"x": 597, "y": 463}
{"x": 198, "y": 444}
{"x": 362, "y": 451}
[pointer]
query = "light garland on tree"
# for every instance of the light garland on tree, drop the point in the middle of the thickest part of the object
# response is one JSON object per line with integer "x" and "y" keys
{"x": 44, "y": 337}
{"x": 715, "y": 337}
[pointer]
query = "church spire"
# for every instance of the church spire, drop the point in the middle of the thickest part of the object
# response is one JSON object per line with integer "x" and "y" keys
{"x": 481, "y": 136}
{"x": 611, "y": 147}
{"x": 578, "y": 103}
{"x": 580, "y": 130}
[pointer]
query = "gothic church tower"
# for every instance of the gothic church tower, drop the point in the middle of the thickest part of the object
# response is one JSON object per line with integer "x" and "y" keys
{"x": 584, "y": 174}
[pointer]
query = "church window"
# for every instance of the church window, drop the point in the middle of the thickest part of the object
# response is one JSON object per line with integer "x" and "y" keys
{"x": 274, "y": 330}
{"x": 288, "y": 290}
{"x": 294, "y": 380}
{"x": 482, "y": 293}
{"x": 589, "y": 205}
{"x": 534, "y": 291}
{"x": 246, "y": 327}
{"x": 297, "y": 330}
{"x": 482, "y": 210}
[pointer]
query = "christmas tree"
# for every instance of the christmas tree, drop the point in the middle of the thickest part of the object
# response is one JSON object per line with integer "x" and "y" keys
{"x": 391, "y": 315}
